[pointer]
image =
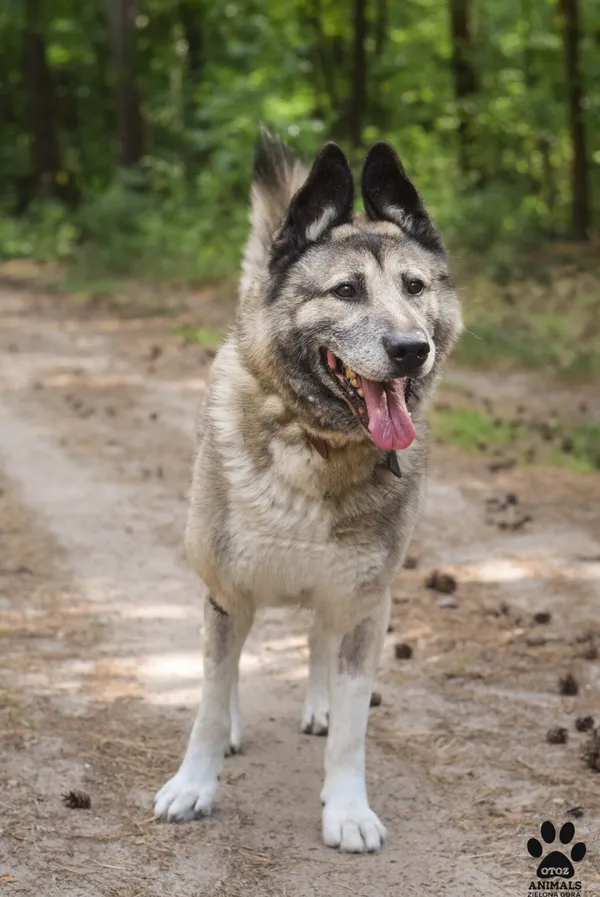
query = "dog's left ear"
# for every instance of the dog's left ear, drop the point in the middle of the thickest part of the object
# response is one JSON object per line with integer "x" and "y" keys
{"x": 390, "y": 195}
{"x": 325, "y": 200}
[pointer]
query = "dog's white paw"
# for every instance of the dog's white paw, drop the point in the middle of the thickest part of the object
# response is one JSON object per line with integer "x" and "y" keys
{"x": 315, "y": 723}
{"x": 235, "y": 732}
{"x": 354, "y": 828}
{"x": 235, "y": 745}
{"x": 235, "y": 726}
{"x": 188, "y": 795}
{"x": 315, "y": 716}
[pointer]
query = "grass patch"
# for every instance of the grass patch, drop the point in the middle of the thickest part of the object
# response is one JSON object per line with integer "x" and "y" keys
{"x": 564, "y": 343}
{"x": 550, "y": 320}
{"x": 585, "y": 451}
{"x": 469, "y": 429}
{"x": 201, "y": 336}
{"x": 576, "y": 447}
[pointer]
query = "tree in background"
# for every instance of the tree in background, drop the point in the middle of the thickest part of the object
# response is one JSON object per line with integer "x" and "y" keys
{"x": 128, "y": 125}
{"x": 358, "y": 97}
{"x": 465, "y": 83}
{"x": 580, "y": 201}
{"x": 47, "y": 176}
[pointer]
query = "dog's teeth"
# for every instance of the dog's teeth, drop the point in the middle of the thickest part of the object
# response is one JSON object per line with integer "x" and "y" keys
{"x": 360, "y": 393}
{"x": 354, "y": 383}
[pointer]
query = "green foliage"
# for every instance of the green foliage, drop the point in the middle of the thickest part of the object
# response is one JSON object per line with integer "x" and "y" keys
{"x": 133, "y": 233}
{"x": 547, "y": 321}
{"x": 204, "y": 74}
{"x": 575, "y": 447}
{"x": 585, "y": 454}
{"x": 467, "y": 428}
{"x": 199, "y": 335}
{"x": 47, "y": 234}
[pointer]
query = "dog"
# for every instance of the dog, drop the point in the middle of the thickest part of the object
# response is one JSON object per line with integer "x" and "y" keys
{"x": 309, "y": 474}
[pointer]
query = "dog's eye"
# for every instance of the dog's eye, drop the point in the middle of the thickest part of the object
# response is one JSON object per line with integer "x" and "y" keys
{"x": 415, "y": 286}
{"x": 345, "y": 291}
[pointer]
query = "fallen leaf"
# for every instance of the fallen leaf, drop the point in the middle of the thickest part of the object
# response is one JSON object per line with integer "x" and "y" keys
{"x": 6, "y": 878}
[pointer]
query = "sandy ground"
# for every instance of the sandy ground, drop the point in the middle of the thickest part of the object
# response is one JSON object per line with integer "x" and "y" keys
{"x": 99, "y": 648}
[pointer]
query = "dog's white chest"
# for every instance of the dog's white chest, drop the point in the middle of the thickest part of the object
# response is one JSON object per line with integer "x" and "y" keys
{"x": 283, "y": 548}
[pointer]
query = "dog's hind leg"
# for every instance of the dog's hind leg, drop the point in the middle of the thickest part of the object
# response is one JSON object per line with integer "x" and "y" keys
{"x": 348, "y": 821}
{"x": 235, "y": 729}
{"x": 315, "y": 716}
{"x": 190, "y": 793}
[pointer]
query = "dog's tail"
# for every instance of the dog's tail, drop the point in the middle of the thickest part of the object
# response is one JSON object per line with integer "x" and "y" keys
{"x": 278, "y": 175}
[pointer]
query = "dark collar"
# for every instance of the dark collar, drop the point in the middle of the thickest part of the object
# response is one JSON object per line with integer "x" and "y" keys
{"x": 390, "y": 458}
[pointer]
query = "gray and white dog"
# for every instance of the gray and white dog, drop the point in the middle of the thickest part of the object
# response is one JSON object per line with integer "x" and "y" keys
{"x": 310, "y": 469}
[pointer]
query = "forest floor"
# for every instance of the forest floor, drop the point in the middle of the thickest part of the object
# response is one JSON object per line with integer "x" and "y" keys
{"x": 99, "y": 651}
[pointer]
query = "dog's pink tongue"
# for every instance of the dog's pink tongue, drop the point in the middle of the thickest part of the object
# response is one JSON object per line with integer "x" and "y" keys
{"x": 390, "y": 424}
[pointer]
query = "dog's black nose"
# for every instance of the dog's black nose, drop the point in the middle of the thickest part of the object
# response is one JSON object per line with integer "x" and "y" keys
{"x": 408, "y": 351}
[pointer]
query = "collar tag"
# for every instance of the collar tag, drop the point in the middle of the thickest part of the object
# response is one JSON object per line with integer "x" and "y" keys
{"x": 320, "y": 445}
{"x": 392, "y": 464}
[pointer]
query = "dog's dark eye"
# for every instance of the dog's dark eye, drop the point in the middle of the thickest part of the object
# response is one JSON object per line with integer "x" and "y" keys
{"x": 345, "y": 291}
{"x": 415, "y": 286}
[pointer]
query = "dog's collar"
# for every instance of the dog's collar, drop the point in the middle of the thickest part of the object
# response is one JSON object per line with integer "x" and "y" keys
{"x": 391, "y": 458}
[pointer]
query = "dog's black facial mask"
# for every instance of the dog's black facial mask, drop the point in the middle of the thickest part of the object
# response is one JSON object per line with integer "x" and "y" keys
{"x": 325, "y": 201}
{"x": 390, "y": 195}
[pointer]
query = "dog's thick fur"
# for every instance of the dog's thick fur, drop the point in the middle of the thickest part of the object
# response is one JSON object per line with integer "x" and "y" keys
{"x": 292, "y": 502}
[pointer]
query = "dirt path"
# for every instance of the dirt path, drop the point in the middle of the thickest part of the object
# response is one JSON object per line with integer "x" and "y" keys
{"x": 100, "y": 665}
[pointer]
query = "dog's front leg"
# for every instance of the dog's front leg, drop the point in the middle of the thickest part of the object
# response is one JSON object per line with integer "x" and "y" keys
{"x": 315, "y": 716}
{"x": 190, "y": 793}
{"x": 348, "y": 821}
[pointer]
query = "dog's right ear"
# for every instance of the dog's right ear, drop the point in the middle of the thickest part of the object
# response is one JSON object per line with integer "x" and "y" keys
{"x": 326, "y": 200}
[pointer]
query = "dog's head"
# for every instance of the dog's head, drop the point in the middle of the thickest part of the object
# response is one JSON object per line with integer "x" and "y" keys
{"x": 348, "y": 317}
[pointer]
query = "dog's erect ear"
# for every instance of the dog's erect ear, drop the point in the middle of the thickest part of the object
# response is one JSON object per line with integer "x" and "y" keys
{"x": 325, "y": 200}
{"x": 390, "y": 195}
{"x": 277, "y": 176}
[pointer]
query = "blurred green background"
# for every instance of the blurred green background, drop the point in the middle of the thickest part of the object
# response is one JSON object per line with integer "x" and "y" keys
{"x": 128, "y": 130}
{"x": 128, "y": 125}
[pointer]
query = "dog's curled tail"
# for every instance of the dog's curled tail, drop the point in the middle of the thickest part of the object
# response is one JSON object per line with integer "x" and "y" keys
{"x": 278, "y": 175}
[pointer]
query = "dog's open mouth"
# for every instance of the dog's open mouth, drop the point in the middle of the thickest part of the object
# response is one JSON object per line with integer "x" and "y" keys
{"x": 381, "y": 406}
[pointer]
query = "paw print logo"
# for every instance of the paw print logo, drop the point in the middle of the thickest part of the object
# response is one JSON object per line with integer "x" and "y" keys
{"x": 556, "y": 864}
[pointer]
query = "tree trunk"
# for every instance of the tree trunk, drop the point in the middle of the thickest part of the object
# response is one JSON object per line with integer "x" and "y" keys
{"x": 44, "y": 141}
{"x": 549, "y": 189}
{"x": 325, "y": 59}
{"x": 381, "y": 26}
{"x": 358, "y": 96}
{"x": 130, "y": 125}
{"x": 580, "y": 200}
{"x": 194, "y": 36}
{"x": 465, "y": 80}
{"x": 192, "y": 29}
{"x": 192, "y": 24}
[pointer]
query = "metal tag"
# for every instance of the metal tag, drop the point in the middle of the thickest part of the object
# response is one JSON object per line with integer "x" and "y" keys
{"x": 392, "y": 463}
